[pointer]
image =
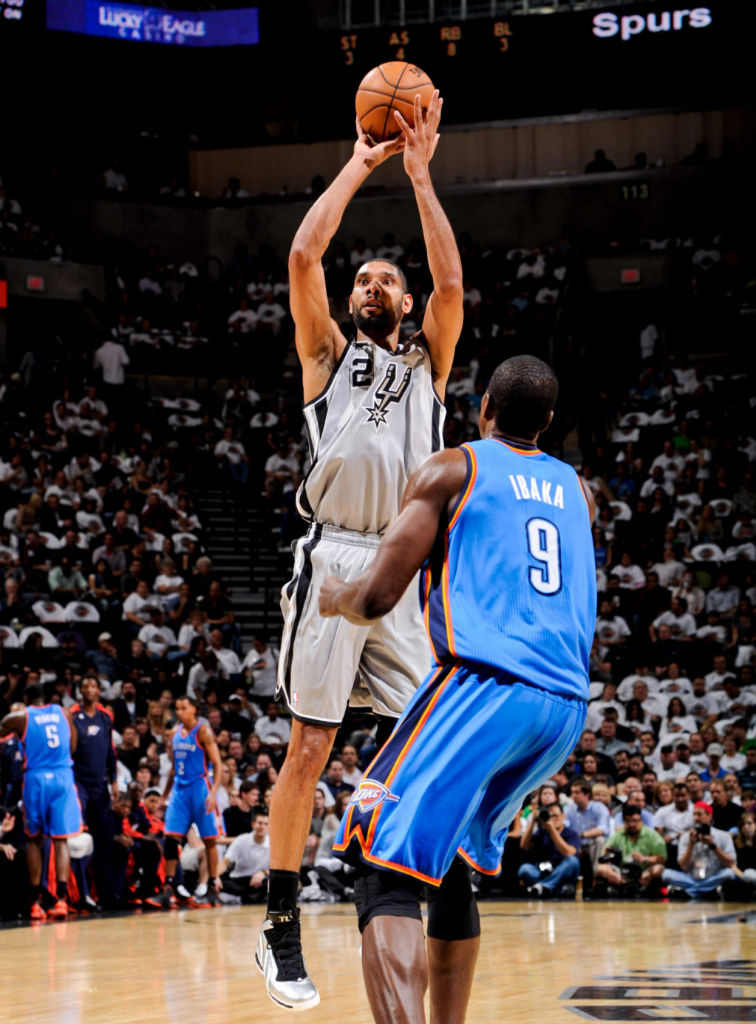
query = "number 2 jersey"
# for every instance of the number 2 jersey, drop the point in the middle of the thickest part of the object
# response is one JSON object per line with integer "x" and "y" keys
{"x": 372, "y": 425}
{"x": 47, "y": 739}
{"x": 512, "y": 582}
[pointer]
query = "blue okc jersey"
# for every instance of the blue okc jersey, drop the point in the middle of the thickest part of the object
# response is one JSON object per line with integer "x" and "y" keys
{"x": 512, "y": 582}
{"x": 189, "y": 762}
{"x": 46, "y": 739}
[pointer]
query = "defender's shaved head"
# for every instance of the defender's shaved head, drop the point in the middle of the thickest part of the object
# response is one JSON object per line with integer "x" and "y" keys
{"x": 522, "y": 393}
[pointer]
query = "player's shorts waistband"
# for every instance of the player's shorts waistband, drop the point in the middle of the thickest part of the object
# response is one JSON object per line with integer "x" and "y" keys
{"x": 362, "y": 540}
{"x": 504, "y": 678}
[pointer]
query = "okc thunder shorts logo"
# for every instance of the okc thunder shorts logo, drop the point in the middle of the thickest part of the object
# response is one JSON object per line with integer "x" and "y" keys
{"x": 370, "y": 794}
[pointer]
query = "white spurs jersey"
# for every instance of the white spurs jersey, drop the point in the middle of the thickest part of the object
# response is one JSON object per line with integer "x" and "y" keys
{"x": 370, "y": 428}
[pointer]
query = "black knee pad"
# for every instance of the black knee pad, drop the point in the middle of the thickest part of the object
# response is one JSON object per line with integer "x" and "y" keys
{"x": 386, "y": 726}
{"x": 379, "y": 893}
{"x": 452, "y": 910}
{"x": 171, "y": 848}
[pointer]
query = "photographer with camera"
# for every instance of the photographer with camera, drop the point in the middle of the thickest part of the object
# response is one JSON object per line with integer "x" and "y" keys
{"x": 634, "y": 858}
{"x": 706, "y": 856}
{"x": 552, "y": 848}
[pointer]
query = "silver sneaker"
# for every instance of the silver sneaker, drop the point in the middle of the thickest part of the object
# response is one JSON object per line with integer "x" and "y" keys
{"x": 279, "y": 959}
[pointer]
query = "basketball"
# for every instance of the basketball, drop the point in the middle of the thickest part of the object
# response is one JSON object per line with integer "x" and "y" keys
{"x": 389, "y": 87}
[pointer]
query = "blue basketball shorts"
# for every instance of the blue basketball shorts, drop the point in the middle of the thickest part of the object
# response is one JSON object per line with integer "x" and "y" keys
{"x": 186, "y": 807}
{"x": 467, "y": 750}
{"x": 51, "y": 804}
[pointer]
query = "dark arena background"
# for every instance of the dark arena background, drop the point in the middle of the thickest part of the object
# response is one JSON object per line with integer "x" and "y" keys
{"x": 597, "y": 166}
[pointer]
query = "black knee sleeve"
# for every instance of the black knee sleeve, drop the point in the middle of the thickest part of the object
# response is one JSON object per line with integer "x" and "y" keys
{"x": 171, "y": 848}
{"x": 386, "y": 726}
{"x": 378, "y": 893}
{"x": 452, "y": 910}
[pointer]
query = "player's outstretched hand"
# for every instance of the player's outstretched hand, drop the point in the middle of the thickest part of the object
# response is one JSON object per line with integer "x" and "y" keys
{"x": 420, "y": 142}
{"x": 328, "y": 595}
{"x": 375, "y": 152}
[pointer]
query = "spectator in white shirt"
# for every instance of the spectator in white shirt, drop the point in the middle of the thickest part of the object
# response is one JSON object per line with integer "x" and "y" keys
{"x": 168, "y": 584}
{"x": 245, "y": 317}
{"x": 675, "y": 684}
{"x": 669, "y": 570}
{"x": 270, "y": 314}
{"x": 672, "y": 820}
{"x": 111, "y": 358}
{"x": 134, "y": 608}
{"x": 630, "y": 576}
{"x": 271, "y": 728}
{"x": 227, "y": 658}
{"x": 713, "y": 631}
{"x": 157, "y": 637}
{"x": 281, "y": 471}
{"x": 731, "y": 760}
{"x": 681, "y": 623}
{"x": 233, "y": 454}
{"x": 671, "y": 463}
{"x": 719, "y": 673}
{"x": 693, "y": 594}
{"x": 352, "y": 771}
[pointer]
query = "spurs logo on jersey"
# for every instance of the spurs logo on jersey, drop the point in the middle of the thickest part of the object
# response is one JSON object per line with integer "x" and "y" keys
{"x": 386, "y": 394}
{"x": 376, "y": 420}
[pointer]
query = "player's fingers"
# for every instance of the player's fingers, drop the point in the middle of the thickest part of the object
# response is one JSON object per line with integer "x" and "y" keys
{"x": 435, "y": 143}
{"x": 406, "y": 130}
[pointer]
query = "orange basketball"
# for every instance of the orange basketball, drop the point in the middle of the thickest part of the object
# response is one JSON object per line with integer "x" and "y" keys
{"x": 389, "y": 87}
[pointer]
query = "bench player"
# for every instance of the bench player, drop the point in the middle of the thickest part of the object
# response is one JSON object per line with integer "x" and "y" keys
{"x": 193, "y": 798}
{"x": 504, "y": 532}
{"x": 374, "y": 412}
{"x": 51, "y": 804}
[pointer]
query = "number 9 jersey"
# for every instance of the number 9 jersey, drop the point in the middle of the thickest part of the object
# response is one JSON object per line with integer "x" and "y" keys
{"x": 530, "y": 609}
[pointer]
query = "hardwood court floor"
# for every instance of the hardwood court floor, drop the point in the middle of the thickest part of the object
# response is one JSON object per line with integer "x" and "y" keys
{"x": 607, "y": 961}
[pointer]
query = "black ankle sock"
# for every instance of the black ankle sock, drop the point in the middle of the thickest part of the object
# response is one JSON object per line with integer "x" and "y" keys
{"x": 61, "y": 890}
{"x": 170, "y": 880}
{"x": 35, "y": 892}
{"x": 282, "y": 890}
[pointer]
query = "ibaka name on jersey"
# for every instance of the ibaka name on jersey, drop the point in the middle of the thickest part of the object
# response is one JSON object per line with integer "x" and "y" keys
{"x": 536, "y": 490}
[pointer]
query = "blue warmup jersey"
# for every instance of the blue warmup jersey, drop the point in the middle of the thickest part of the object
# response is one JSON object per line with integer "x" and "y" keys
{"x": 189, "y": 761}
{"x": 47, "y": 739}
{"x": 51, "y": 805}
{"x": 190, "y": 789}
{"x": 477, "y": 609}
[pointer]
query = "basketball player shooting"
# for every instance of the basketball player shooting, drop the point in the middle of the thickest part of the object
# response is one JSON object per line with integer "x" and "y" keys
{"x": 503, "y": 532}
{"x": 373, "y": 411}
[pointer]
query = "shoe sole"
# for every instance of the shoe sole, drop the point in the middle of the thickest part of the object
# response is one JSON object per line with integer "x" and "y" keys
{"x": 287, "y": 1006}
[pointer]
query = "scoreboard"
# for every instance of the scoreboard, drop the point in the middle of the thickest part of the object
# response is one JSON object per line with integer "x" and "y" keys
{"x": 428, "y": 42}
{"x": 637, "y": 56}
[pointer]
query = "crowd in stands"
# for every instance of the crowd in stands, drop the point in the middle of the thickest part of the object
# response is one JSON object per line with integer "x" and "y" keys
{"x": 104, "y": 570}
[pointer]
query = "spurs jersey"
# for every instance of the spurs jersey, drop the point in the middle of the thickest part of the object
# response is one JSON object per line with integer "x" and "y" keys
{"x": 376, "y": 420}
